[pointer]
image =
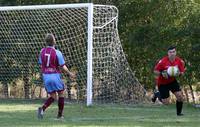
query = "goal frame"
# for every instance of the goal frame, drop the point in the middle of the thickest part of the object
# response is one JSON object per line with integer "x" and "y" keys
{"x": 89, "y": 35}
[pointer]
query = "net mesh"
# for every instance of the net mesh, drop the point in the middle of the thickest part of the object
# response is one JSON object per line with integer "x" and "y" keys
{"x": 22, "y": 37}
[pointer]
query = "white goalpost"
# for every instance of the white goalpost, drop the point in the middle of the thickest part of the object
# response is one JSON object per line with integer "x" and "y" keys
{"x": 88, "y": 37}
{"x": 89, "y": 54}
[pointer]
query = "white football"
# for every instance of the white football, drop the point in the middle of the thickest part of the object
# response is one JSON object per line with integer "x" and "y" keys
{"x": 173, "y": 71}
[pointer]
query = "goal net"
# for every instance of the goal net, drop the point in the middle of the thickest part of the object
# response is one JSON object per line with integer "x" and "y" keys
{"x": 87, "y": 36}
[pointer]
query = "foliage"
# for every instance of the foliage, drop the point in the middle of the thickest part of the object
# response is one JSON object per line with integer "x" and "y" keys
{"x": 147, "y": 28}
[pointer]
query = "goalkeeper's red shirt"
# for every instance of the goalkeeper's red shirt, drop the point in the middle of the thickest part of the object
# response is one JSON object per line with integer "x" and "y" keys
{"x": 163, "y": 64}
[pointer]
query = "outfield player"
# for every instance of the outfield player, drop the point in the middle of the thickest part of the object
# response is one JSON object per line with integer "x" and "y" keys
{"x": 167, "y": 83}
{"x": 51, "y": 61}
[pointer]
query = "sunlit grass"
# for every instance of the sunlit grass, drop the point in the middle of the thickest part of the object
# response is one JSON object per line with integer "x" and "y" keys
{"x": 21, "y": 113}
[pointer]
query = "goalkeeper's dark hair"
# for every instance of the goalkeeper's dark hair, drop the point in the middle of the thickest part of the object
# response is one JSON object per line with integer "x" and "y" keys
{"x": 171, "y": 47}
{"x": 50, "y": 39}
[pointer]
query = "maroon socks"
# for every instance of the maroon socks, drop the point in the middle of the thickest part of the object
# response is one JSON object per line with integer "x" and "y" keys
{"x": 60, "y": 106}
{"x": 48, "y": 102}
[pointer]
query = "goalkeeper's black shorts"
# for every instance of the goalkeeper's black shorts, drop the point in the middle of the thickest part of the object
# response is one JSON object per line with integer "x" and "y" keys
{"x": 166, "y": 88}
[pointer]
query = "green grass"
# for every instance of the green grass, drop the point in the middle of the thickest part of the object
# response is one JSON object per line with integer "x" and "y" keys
{"x": 21, "y": 113}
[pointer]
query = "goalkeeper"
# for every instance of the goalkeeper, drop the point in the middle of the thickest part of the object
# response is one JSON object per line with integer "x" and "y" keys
{"x": 168, "y": 83}
{"x": 51, "y": 60}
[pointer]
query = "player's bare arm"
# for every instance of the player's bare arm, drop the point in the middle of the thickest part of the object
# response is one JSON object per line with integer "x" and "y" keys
{"x": 67, "y": 70}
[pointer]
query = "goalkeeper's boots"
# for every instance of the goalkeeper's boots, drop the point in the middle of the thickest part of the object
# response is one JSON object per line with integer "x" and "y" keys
{"x": 40, "y": 113}
{"x": 155, "y": 96}
{"x": 159, "y": 96}
{"x": 180, "y": 114}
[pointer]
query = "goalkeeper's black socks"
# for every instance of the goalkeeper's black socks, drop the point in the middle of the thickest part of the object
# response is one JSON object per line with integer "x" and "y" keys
{"x": 153, "y": 99}
{"x": 179, "y": 106}
{"x": 155, "y": 96}
{"x": 60, "y": 106}
{"x": 48, "y": 102}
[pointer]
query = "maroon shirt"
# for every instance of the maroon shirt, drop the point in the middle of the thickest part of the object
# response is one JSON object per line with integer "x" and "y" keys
{"x": 51, "y": 59}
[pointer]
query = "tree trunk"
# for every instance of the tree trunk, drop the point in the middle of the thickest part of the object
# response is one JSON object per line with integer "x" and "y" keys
{"x": 80, "y": 92}
{"x": 40, "y": 94}
{"x": 192, "y": 92}
{"x": 6, "y": 90}
{"x": 33, "y": 91}
{"x": 27, "y": 93}
{"x": 69, "y": 89}
{"x": 186, "y": 94}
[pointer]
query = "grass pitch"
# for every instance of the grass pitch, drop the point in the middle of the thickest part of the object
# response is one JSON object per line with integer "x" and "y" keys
{"x": 22, "y": 113}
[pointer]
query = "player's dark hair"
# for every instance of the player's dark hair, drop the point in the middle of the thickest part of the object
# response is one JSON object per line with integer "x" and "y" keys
{"x": 50, "y": 40}
{"x": 171, "y": 47}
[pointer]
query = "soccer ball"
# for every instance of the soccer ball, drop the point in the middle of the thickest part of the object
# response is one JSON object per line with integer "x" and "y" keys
{"x": 173, "y": 71}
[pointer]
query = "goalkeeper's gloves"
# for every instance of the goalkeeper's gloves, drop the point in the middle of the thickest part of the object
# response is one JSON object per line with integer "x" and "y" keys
{"x": 164, "y": 74}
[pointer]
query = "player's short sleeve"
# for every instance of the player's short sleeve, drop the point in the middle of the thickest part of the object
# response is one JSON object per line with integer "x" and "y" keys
{"x": 60, "y": 57}
{"x": 39, "y": 58}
